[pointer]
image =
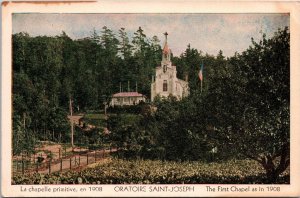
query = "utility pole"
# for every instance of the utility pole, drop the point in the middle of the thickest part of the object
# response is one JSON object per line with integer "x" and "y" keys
{"x": 105, "y": 105}
{"x": 136, "y": 86}
{"x": 24, "y": 120}
{"x": 72, "y": 124}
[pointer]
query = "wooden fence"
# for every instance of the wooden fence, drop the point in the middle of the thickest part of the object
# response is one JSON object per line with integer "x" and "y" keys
{"x": 57, "y": 161}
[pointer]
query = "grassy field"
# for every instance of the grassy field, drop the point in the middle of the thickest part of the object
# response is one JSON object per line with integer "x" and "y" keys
{"x": 95, "y": 116}
{"x": 99, "y": 120}
{"x": 95, "y": 119}
{"x": 116, "y": 171}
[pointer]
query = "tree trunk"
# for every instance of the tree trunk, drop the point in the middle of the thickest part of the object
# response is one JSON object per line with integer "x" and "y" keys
{"x": 272, "y": 171}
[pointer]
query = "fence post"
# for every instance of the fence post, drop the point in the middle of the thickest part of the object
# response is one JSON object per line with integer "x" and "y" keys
{"x": 29, "y": 164}
{"x": 70, "y": 163}
{"x": 87, "y": 159}
{"x": 61, "y": 161}
{"x": 22, "y": 164}
{"x": 50, "y": 165}
{"x": 79, "y": 160}
{"x": 23, "y": 167}
{"x": 34, "y": 157}
{"x": 59, "y": 153}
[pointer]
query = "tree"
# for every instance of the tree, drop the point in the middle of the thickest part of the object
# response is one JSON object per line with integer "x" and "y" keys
{"x": 249, "y": 104}
{"x": 190, "y": 66}
{"x": 140, "y": 42}
{"x": 124, "y": 45}
{"x": 109, "y": 42}
{"x": 126, "y": 133}
{"x": 156, "y": 51}
{"x": 109, "y": 62}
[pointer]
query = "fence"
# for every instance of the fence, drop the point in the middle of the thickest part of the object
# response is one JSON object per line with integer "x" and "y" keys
{"x": 57, "y": 161}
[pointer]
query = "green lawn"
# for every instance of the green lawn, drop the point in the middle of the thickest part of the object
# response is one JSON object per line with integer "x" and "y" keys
{"x": 96, "y": 119}
{"x": 95, "y": 116}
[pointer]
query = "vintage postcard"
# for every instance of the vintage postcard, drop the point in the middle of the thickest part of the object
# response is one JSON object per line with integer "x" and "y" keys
{"x": 174, "y": 98}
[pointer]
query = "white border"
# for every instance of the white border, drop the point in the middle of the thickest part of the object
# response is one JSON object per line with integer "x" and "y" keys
{"x": 135, "y": 6}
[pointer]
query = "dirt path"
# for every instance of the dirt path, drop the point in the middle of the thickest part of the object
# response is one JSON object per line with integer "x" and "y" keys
{"x": 77, "y": 161}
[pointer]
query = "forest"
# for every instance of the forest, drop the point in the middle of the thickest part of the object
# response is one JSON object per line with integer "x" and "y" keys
{"x": 242, "y": 112}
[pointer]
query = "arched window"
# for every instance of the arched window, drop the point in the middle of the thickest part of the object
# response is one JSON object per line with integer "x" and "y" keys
{"x": 165, "y": 86}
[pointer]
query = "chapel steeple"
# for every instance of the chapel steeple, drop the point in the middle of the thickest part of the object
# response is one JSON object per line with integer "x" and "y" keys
{"x": 166, "y": 53}
{"x": 165, "y": 82}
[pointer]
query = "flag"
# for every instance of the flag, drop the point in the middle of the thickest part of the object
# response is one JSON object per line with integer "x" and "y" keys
{"x": 201, "y": 72}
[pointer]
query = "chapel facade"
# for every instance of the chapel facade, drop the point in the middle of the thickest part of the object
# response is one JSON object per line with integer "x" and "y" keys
{"x": 165, "y": 82}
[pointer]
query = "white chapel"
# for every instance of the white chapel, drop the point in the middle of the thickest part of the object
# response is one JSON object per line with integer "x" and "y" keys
{"x": 166, "y": 82}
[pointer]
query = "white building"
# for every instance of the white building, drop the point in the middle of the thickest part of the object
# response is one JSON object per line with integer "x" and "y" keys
{"x": 166, "y": 82}
{"x": 127, "y": 98}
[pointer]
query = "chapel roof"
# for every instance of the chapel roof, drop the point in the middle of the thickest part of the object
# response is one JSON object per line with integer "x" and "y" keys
{"x": 166, "y": 49}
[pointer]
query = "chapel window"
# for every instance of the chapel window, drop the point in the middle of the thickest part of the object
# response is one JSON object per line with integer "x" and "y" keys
{"x": 165, "y": 86}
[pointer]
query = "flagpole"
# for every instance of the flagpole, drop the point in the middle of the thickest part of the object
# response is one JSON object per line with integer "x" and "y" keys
{"x": 201, "y": 86}
{"x": 201, "y": 75}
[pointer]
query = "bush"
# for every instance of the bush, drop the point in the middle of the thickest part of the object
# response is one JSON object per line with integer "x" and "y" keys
{"x": 157, "y": 172}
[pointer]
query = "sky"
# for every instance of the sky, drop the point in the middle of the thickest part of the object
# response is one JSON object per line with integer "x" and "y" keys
{"x": 206, "y": 32}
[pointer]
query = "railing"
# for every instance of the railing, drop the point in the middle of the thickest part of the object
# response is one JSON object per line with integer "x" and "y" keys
{"x": 57, "y": 161}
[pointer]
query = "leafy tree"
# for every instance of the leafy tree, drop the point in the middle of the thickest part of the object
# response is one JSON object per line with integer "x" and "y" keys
{"x": 191, "y": 63}
{"x": 249, "y": 104}
{"x": 23, "y": 137}
{"x": 125, "y": 132}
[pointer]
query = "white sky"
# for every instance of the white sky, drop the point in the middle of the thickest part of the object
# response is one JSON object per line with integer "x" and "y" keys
{"x": 206, "y": 32}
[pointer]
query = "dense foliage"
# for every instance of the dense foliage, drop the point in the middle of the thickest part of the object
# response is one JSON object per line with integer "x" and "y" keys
{"x": 157, "y": 172}
{"x": 49, "y": 71}
{"x": 242, "y": 111}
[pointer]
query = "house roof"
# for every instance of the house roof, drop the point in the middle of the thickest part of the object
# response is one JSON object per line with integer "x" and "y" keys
{"x": 127, "y": 94}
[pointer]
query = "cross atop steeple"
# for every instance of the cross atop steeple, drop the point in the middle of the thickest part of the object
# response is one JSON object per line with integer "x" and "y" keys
{"x": 166, "y": 35}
